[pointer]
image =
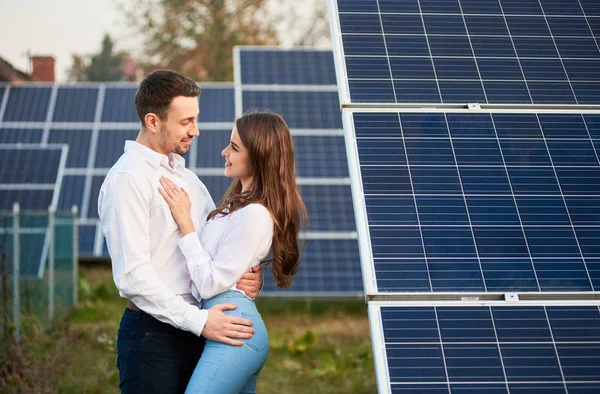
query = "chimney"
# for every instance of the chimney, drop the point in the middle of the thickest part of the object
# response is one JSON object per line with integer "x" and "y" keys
{"x": 43, "y": 69}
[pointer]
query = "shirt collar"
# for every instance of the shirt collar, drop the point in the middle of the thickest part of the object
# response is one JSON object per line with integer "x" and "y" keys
{"x": 153, "y": 157}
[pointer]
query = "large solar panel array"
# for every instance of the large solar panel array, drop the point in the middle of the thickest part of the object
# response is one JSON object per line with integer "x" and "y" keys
{"x": 94, "y": 120}
{"x": 472, "y": 135}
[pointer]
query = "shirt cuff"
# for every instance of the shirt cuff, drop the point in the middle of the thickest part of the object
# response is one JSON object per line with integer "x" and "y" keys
{"x": 194, "y": 320}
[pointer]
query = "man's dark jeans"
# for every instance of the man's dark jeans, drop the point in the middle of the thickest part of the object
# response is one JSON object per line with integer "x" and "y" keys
{"x": 154, "y": 357}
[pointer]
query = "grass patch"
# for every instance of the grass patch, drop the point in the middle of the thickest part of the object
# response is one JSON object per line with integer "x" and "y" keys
{"x": 316, "y": 346}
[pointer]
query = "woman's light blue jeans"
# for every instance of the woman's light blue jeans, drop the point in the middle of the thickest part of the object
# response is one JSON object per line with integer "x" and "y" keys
{"x": 227, "y": 369}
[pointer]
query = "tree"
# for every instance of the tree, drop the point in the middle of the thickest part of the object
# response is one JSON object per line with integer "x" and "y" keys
{"x": 196, "y": 37}
{"x": 106, "y": 65}
{"x": 77, "y": 71}
{"x": 102, "y": 67}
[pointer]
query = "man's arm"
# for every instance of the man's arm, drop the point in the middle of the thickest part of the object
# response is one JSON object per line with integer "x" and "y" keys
{"x": 124, "y": 207}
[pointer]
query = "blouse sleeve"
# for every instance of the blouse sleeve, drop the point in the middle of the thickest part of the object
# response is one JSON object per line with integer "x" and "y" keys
{"x": 247, "y": 239}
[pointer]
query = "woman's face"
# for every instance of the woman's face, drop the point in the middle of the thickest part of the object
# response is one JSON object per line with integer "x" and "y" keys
{"x": 237, "y": 160}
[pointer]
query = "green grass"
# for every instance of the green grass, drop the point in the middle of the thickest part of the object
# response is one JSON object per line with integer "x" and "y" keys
{"x": 316, "y": 346}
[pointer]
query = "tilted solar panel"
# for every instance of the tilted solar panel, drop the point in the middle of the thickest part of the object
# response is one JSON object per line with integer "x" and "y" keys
{"x": 477, "y": 202}
{"x": 541, "y": 348}
{"x": 296, "y": 66}
{"x": 541, "y": 52}
{"x": 31, "y": 175}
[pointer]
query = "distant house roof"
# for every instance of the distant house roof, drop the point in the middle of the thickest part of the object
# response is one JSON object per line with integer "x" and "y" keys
{"x": 8, "y": 73}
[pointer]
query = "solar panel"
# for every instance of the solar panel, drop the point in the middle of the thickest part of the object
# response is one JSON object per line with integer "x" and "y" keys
{"x": 301, "y": 109}
{"x": 540, "y": 52}
{"x": 540, "y": 348}
{"x": 297, "y": 66}
{"x": 24, "y": 136}
{"x": 299, "y": 83}
{"x": 476, "y": 202}
{"x": 27, "y": 104}
{"x": 216, "y": 103}
{"x": 75, "y": 104}
{"x": 30, "y": 174}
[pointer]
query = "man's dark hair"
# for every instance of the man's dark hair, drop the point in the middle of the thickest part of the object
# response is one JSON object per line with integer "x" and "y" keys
{"x": 157, "y": 91}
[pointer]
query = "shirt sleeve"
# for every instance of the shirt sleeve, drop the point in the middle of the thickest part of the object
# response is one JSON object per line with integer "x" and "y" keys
{"x": 247, "y": 239}
{"x": 124, "y": 210}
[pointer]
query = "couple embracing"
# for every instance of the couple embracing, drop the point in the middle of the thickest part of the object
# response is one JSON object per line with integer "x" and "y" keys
{"x": 190, "y": 269}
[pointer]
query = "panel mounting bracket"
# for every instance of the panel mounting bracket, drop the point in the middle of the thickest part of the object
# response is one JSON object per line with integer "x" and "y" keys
{"x": 473, "y": 106}
{"x": 511, "y": 297}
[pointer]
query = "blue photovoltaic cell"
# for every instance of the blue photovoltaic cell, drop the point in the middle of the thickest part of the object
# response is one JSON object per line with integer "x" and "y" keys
{"x": 320, "y": 156}
{"x": 326, "y": 266}
{"x": 24, "y": 136}
{"x": 71, "y": 192}
{"x": 119, "y": 105}
{"x": 210, "y": 144}
{"x": 329, "y": 207}
{"x": 75, "y": 104}
{"x": 25, "y": 166}
{"x": 480, "y": 202}
{"x": 27, "y": 104}
{"x": 87, "y": 237}
{"x": 301, "y": 110}
{"x": 36, "y": 200}
{"x": 111, "y": 145}
{"x": 216, "y": 104}
{"x": 459, "y": 52}
{"x": 79, "y": 145}
{"x": 499, "y": 349}
{"x": 287, "y": 67}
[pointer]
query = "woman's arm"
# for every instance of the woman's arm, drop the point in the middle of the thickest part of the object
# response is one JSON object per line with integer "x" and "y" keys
{"x": 248, "y": 239}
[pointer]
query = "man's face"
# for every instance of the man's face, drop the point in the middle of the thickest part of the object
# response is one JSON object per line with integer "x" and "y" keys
{"x": 180, "y": 125}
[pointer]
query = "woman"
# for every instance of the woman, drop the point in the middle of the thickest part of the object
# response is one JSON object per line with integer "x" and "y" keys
{"x": 261, "y": 211}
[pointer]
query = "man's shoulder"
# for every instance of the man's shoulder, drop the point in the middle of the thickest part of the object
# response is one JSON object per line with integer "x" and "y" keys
{"x": 129, "y": 168}
{"x": 127, "y": 164}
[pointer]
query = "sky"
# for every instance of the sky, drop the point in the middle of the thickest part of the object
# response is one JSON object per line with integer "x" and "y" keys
{"x": 60, "y": 28}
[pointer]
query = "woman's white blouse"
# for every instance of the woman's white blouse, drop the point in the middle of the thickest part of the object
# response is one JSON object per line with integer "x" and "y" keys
{"x": 227, "y": 247}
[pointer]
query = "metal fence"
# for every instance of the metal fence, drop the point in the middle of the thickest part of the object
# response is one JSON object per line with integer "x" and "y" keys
{"x": 38, "y": 265}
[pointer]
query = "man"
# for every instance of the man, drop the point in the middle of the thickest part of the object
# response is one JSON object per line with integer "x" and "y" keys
{"x": 159, "y": 340}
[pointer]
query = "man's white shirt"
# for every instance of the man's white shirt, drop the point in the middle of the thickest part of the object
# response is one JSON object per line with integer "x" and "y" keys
{"x": 142, "y": 236}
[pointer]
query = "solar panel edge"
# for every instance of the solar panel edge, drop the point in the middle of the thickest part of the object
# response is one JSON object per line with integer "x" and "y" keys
{"x": 382, "y": 376}
{"x": 362, "y": 229}
{"x": 338, "y": 53}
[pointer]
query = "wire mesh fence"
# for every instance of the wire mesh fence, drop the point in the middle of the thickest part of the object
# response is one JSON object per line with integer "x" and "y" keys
{"x": 38, "y": 266}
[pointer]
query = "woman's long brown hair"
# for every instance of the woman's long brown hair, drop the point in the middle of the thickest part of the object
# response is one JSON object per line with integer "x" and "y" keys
{"x": 271, "y": 151}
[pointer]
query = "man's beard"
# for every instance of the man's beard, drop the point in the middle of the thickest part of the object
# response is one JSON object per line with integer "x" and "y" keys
{"x": 168, "y": 144}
